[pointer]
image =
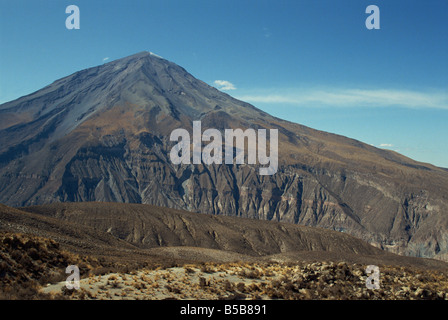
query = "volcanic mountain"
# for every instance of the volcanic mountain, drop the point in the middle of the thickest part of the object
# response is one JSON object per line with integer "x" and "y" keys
{"x": 102, "y": 134}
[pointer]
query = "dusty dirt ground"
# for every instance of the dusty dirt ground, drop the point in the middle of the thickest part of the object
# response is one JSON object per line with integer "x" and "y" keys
{"x": 258, "y": 281}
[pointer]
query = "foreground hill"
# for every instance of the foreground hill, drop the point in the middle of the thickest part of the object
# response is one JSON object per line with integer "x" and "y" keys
{"x": 136, "y": 232}
{"x": 134, "y": 251}
{"x": 102, "y": 134}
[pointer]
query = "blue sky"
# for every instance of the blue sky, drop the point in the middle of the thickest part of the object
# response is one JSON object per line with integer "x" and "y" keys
{"x": 309, "y": 61}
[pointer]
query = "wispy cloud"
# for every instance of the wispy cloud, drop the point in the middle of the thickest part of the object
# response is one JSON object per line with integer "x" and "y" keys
{"x": 386, "y": 145}
{"x": 352, "y": 98}
{"x": 267, "y": 32}
{"x": 224, "y": 85}
{"x": 105, "y": 59}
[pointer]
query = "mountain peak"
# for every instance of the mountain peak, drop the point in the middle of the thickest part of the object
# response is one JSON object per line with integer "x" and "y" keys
{"x": 137, "y": 57}
{"x": 144, "y": 81}
{"x": 141, "y": 54}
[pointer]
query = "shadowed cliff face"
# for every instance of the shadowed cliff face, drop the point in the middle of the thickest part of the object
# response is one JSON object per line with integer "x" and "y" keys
{"x": 102, "y": 134}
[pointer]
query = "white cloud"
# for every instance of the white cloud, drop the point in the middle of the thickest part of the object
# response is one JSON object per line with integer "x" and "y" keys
{"x": 105, "y": 59}
{"x": 224, "y": 85}
{"x": 352, "y": 98}
{"x": 267, "y": 33}
{"x": 388, "y": 145}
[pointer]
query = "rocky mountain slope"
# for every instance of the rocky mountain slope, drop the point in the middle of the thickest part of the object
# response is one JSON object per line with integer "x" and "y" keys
{"x": 102, "y": 134}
